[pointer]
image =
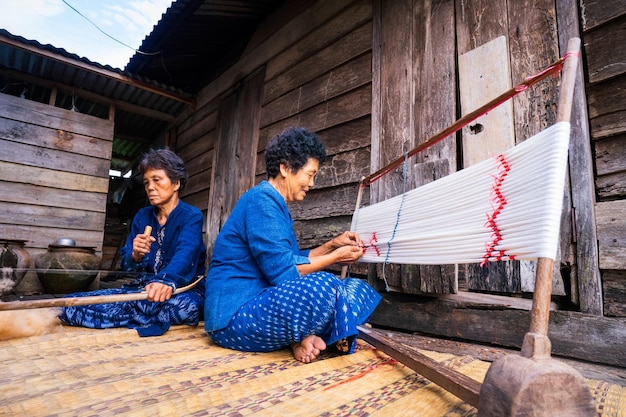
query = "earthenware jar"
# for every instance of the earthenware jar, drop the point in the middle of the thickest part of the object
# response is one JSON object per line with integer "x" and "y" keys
{"x": 14, "y": 261}
{"x": 66, "y": 268}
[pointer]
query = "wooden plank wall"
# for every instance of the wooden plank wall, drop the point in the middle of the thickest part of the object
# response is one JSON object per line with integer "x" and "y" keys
{"x": 604, "y": 32}
{"x": 414, "y": 70}
{"x": 317, "y": 75}
{"x": 323, "y": 82}
{"x": 54, "y": 174}
{"x": 195, "y": 144}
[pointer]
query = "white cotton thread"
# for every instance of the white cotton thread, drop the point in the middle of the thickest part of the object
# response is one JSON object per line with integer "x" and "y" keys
{"x": 446, "y": 221}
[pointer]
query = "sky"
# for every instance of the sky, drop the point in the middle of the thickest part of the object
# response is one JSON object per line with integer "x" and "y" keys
{"x": 54, "y": 22}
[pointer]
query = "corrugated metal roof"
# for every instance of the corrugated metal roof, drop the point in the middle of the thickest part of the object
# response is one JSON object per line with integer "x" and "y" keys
{"x": 144, "y": 108}
{"x": 196, "y": 40}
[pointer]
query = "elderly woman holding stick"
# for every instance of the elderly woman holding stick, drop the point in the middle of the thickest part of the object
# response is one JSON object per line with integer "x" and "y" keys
{"x": 263, "y": 293}
{"x": 165, "y": 247}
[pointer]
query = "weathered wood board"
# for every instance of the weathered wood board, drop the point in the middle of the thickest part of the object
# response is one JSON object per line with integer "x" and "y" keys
{"x": 610, "y": 217}
{"x": 614, "y": 293}
{"x": 54, "y": 172}
{"x": 484, "y": 73}
{"x": 604, "y": 338}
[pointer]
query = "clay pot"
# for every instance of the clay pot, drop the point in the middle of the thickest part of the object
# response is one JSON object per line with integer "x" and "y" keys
{"x": 14, "y": 261}
{"x": 65, "y": 269}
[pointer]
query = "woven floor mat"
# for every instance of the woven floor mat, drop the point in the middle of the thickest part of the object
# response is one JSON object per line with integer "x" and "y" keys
{"x": 82, "y": 372}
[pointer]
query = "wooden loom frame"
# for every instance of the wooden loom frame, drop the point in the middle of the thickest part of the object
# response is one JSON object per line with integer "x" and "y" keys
{"x": 536, "y": 344}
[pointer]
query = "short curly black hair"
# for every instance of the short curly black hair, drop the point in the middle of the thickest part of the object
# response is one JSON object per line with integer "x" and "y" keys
{"x": 293, "y": 147}
{"x": 168, "y": 161}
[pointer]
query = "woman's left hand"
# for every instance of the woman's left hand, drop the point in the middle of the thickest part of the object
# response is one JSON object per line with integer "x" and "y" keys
{"x": 347, "y": 238}
{"x": 158, "y": 292}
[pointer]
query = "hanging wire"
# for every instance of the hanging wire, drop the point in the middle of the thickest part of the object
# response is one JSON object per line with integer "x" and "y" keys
{"x": 106, "y": 34}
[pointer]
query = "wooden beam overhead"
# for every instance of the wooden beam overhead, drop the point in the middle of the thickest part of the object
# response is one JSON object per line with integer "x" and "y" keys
{"x": 99, "y": 71}
{"x": 119, "y": 104}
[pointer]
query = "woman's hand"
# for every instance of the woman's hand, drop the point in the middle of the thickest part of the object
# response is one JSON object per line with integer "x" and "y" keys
{"x": 347, "y": 238}
{"x": 141, "y": 246}
{"x": 158, "y": 292}
{"x": 346, "y": 248}
{"x": 348, "y": 254}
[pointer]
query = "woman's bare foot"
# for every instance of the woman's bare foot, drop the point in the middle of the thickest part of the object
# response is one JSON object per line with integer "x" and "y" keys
{"x": 308, "y": 348}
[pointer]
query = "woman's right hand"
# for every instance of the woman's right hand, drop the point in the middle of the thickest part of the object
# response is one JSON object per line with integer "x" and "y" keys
{"x": 141, "y": 246}
{"x": 348, "y": 254}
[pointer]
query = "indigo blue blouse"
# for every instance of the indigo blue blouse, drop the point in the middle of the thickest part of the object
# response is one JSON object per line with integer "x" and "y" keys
{"x": 256, "y": 249}
{"x": 182, "y": 254}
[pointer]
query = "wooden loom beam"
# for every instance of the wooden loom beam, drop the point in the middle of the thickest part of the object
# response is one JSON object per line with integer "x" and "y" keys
{"x": 464, "y": 387}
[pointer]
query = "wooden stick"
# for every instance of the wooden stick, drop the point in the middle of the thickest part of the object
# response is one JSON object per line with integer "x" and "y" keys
{"x": 464, "y": 121}
{"x": 536, "y": 343}
{"x": 81, "y": 301}
{"x": 344, "y": 269}
{"x": 148, "y": 230}
{"x": 452, "y": 381}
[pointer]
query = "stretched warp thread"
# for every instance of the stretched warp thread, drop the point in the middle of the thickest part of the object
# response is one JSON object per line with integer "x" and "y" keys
{"x": 507, "y": 207}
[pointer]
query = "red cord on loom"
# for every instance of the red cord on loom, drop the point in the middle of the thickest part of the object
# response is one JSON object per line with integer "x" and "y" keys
{"x": 372, "y": 243}
{"x": 499, "y": 202}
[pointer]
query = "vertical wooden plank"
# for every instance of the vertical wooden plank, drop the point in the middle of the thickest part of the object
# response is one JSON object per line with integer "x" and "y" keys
{"x": 376, "y": 137}
{"x": 533, "y": 46}
{"x": 396, "y": 100}
{"x": 581, "y": 162}
{"x": 414, "y": 99}
{"x": 235, "y": 152}
{"x": 435, "y": 108}
{"x": 219, "y": 174}
{"x": 479, "y": 22}
{"x": 484, "y": 74}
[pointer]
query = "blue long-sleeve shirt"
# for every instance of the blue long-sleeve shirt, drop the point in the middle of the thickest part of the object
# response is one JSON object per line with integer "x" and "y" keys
{"x": 256, "y": 249}
{"x": 183, "y": 250}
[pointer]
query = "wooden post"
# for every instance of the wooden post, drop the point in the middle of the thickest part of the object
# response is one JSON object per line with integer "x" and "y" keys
{"x": 533, "y": 384}
{"x": 536, "y": 343}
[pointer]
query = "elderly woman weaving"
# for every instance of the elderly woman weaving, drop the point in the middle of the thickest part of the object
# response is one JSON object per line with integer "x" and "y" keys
{"x": 169, "y": 258}
{"x": 263, "y": 293}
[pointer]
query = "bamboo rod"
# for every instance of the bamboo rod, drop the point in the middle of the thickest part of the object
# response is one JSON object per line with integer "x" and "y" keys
{"x": 460, "y": 123}
{"x": 81, "y": 301}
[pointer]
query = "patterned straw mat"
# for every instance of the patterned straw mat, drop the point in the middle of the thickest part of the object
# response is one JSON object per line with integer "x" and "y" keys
{"x": 82, "y": 372}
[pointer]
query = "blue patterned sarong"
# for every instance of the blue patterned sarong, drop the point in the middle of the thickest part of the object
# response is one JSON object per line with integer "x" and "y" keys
{"x": 319, "y": 303}
{"x": 148, "y": 318}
